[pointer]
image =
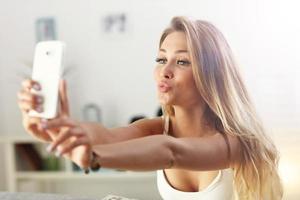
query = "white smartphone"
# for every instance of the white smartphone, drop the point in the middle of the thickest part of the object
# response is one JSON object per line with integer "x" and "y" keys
{"x": 47, "y": 70}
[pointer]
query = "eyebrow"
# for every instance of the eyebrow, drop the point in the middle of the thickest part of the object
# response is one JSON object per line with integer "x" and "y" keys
{"x": 178, "y": 51}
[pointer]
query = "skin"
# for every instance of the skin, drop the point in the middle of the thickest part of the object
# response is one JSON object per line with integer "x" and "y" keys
{"x": 191, "y": 157}
{"x": 175, "y": 70}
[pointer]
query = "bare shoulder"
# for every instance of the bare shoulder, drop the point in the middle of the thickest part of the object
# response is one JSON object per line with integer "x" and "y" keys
{"x": 152, "y": 126}
{"x": 232, "y": 145}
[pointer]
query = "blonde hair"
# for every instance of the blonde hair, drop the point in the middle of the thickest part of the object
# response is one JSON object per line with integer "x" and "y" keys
{"x": 230, "y": 109}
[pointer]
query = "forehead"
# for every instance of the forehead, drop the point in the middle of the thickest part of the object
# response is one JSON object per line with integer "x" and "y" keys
{"x": 175, "y": 40}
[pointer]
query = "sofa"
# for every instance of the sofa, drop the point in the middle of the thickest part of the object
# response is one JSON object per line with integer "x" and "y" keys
{"x": 45, "y": 196}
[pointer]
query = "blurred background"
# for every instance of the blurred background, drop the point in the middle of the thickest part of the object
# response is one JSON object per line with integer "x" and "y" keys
{"x": 110, "y": 58}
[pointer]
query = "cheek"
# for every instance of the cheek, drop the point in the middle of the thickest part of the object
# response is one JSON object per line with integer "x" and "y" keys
{"x": 187, "y": 85}
{"x": 156, "y": 73}
{"x": 186, "y": 81}
{"x": 192, "y": 85}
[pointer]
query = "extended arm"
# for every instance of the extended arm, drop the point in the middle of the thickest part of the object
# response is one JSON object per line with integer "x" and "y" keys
{"x": 98, "y": 134}
{"x": 152, "y": 152}
{"x": 161, "y": 151}
{"x": 75, "y": 140}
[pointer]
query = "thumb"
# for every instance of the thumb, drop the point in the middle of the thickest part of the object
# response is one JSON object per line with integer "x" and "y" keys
{"x": 63, "y": 97}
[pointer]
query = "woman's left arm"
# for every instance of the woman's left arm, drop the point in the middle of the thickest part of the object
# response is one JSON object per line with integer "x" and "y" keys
{"x": 161, "y": 152}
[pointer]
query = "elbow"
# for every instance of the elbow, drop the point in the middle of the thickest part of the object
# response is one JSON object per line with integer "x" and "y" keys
{"x": 171, "y": 153}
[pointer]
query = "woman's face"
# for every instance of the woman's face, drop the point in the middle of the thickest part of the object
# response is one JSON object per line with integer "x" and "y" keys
{"x": 173, "y": 73}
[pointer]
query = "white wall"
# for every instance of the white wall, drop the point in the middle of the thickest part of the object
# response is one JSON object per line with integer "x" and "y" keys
{"x": 116, "y": 72}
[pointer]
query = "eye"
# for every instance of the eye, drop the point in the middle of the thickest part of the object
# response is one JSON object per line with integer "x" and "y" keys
{"x": 161, "y": 60}
{"x": 183, "y": 62}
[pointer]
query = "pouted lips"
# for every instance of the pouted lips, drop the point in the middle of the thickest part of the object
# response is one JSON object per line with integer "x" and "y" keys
{"x": 163, "y": 87}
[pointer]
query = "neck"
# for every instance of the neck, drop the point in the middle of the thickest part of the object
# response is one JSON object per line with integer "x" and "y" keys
{"x": 189, "y": 121}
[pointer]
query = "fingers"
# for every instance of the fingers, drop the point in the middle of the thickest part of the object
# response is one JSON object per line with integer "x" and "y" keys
{"x": 32, "y": 121}
{"x": 63, "y": 136}
{"x": 71, "y": 145}
{"x": 68, "y": 141}
{"x": 63, "y": 97}
{"x": 28, "y": 101}
{"x": 58, "y": 122}
{"x": 27, "y": 84}
{"x": 25, "y": 95}
{"x": 26, "y": 106}
{"x": 71, "y": 140}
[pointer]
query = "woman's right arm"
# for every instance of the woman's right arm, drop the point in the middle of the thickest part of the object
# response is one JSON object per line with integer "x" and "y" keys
{"x": 76, "y": 139}
{"x": 141, "y": 128}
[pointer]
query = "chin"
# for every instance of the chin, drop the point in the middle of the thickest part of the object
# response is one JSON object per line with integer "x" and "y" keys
{"x": 166, "y": 101}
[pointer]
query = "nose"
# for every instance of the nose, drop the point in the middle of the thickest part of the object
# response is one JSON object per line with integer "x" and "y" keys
{"x": 167, "y": 72}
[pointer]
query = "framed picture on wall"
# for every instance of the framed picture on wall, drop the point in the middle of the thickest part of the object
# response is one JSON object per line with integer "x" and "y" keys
{"x": 45, "y": 29}
{"x": 116, "y": 25}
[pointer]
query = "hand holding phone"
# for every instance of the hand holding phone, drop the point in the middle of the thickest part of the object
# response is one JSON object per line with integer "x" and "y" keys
{"x": 47, "y": 71}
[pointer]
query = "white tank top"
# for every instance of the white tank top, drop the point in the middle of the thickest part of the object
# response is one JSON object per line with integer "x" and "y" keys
{"x": 221, "y": 188}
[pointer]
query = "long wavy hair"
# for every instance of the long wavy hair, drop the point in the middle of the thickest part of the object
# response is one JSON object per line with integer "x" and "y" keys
{"x": 229, "y": 109}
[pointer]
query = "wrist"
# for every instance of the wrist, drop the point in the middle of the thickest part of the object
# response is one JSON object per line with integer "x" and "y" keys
{"x": 96, "y": 132}
{"x": 94, "y": 163}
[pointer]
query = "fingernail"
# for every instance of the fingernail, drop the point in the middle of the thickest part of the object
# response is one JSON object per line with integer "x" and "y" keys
{"x": 36, "y": 87}
{"x": 57, "y": 153}
{"x": 49, "y": 148}
{"x": 44, "y": 125}
{"x": 39, "y": 99}
{"x": 59, "y": 148}
{"x": 39, "y": 109}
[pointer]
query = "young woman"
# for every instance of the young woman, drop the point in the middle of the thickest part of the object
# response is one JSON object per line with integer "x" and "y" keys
{"x": 209, "y": 144}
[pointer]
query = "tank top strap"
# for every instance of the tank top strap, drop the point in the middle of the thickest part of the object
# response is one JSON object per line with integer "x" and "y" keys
{"x": 166, "y": 124}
